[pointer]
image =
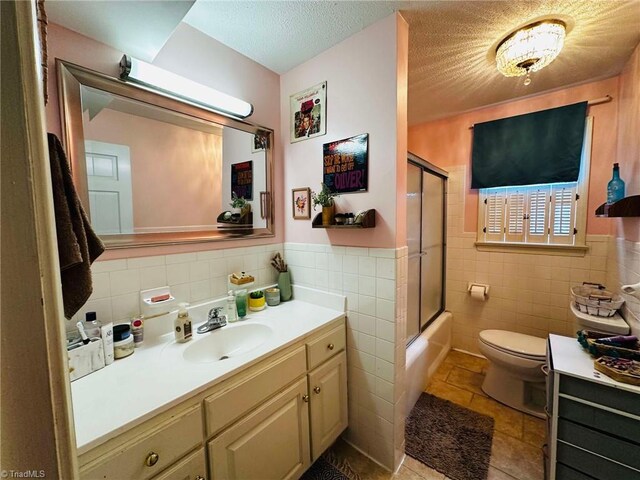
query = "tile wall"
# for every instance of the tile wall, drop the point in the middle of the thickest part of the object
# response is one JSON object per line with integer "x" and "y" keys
{"x": 529, "y": 293}
{"x": 623, "y": 268}
{"x": 192, "y": 277}
{"x": 374, "y": 282}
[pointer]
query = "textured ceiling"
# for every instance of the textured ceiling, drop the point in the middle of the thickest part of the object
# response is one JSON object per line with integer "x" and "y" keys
{"x": 283, "y": 34}
{"x": 451, "y": 69}
{"x": 137, "y": 28}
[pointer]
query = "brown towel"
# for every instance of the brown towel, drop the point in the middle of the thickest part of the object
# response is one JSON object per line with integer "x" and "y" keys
{"x": 78, "y": 245}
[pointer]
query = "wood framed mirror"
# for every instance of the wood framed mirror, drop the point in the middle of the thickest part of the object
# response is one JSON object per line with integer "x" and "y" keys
{"x": 151, "y": 169}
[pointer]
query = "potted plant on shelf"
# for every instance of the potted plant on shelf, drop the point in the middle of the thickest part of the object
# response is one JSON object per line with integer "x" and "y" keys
{"x": 326, "y": 200}
{"x": 256, "y": 301}
{"x": 239, "y": 205}
{"x": 284, "y": 277}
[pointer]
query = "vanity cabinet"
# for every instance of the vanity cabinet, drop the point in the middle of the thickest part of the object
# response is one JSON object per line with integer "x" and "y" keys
{"x": 270, "y": 420}
{"x": 593, "y": 425}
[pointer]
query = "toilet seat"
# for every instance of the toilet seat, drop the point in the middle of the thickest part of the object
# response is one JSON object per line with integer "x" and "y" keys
{"x": 516, "y": 344}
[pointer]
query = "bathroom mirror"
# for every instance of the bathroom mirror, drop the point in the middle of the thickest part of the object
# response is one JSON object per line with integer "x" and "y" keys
{"x": 151, "y": 169}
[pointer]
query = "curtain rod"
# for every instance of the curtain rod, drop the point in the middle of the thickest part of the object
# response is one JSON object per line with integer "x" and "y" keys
{"x": 595, "y": 101}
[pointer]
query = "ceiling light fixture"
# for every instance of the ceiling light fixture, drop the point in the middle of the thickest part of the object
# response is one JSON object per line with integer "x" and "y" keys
{"x": 530, "y": 48}
{"x": 137, "y": 71}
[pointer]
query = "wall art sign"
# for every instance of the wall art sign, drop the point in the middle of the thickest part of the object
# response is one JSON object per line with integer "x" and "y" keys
{"x": 242, "y": 179}
{"x": 308, "y": 113}
{"x": 345, "y": 164}
{"x": 301, "y": 198}
{"x": 259, "y": 143}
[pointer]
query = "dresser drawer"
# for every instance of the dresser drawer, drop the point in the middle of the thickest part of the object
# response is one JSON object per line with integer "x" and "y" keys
{"x": 610, "y": 447}
{"x": 593, "y": 465}
{"x": 152, "y": 451}
{"x": 567, "y": 473}
{"x": 239, "y": 397}
{"x": 325, "y": 346}
{"x": 599, "y": 419}
{"x": 615, "y": 398}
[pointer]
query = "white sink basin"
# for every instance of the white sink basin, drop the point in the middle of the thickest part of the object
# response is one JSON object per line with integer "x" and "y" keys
{"x": 227, "y": 342}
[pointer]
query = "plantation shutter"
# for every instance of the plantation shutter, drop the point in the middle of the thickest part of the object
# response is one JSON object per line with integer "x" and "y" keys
{"x": 563, "y": 214}
{"x": 494, "y": 215}
{"x": 538, "y": 215}
{"x": 514, "y": 231}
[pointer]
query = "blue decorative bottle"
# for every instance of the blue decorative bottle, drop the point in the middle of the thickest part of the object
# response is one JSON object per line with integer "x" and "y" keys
{"x": 615, "y": 188}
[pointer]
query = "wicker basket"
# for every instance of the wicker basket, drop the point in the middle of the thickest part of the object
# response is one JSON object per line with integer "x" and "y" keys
{"x": 587, "y": 339}
{"x": 595, "y": 301}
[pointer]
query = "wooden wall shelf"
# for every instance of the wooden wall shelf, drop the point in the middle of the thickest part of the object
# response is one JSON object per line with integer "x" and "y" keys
{"x": 368, "y": 221}
{"x": 627, "y": 207}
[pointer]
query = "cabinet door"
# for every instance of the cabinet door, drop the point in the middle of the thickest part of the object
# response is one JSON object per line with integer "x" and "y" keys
{"x": 193, "y": 467}
{"x": 272, "y": 442}
{"x": 328, "y": 392}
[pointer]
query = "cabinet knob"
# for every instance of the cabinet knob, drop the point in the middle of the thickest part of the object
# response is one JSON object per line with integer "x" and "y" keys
{"x": 305, "y": 398}
{"x": 316, "y": 389}
{"x": 199, "y": 477}
{"x": 152, "y": 459}
{"x": 331, "y": 346}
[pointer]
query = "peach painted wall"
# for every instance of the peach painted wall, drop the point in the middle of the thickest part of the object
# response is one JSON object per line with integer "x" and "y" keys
{"x": 164, "y": 185}
{"x": 629, "y": 141}
{"x": 362, "y": 97}
{"x": 194, "y": 55}
{"x": 447, "y": 142}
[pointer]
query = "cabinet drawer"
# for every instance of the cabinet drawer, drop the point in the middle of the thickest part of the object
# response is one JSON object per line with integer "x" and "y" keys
{"x": 599, "y": 443}
{"x": 238, "y": 398}
{"x": 593, "y": 465}
{"x": 326, "y": 346}
{"x": 192, "y": 467}
{"x": 599, "y": 419}
{"x": 615, "y": 398}
{"x": 169, "y": 441}
{"x": 567, "y": 473}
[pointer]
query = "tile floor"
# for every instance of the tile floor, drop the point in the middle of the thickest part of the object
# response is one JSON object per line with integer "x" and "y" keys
{"x": 517, "y": 438}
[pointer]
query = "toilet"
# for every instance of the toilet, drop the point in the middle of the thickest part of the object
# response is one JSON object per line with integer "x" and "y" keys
{"x": 515, "y": 375}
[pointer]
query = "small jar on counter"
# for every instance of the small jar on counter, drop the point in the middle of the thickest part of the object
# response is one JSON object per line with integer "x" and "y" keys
{"x": 123, "y": 345}
{"x": 272, "y": 296}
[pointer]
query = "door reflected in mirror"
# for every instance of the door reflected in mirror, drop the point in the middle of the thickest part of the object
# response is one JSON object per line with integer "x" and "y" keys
{"x": 152, "y": 169}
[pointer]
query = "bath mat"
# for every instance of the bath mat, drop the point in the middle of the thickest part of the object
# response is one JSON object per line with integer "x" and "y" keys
{"x": 330, "y": 467}
{"x": 449, "y": 438}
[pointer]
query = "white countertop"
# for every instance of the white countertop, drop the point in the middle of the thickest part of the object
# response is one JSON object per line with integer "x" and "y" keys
{"x": 570, "y": 358}
{"x": 155, "y": 378}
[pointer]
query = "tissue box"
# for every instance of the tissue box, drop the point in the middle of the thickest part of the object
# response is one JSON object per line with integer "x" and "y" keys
{"x": 85, "y": 359}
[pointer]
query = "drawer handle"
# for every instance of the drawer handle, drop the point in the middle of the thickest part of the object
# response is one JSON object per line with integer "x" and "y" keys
{"x": 152, "y": 459}
{"x": 305, "y": 398}
{"x": 545, "y": 369}
{"x": 199, "y": 477}
{"x": 331, "y": 346}
{"x": 316, "y": 389}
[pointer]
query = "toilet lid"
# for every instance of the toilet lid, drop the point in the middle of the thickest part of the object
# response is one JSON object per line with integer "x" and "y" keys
{"x": 518, "y": 343}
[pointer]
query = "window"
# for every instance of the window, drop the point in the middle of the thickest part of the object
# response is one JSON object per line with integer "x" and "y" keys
{"x": 537, "y": 215}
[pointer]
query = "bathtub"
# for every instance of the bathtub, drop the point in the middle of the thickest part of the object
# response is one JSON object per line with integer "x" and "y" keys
{"x": 425, "y": 355}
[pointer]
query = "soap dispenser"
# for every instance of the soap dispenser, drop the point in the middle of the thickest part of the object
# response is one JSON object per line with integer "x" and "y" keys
{"x": 232, "y": 315}
{"x": 182, "y": 325}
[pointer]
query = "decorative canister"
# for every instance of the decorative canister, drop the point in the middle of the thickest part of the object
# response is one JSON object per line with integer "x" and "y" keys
{"x": 284, "y": 284}
{"x": 273, "y": 296}
{"x": 256, "y": 301}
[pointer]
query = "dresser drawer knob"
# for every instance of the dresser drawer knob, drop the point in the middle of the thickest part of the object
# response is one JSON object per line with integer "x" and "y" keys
{"x": 316, "y": 389}
{"x": 199, "y": 477}
{"x": 331, "y": 346}
{"x": 152, "y": 459}
{"x": 305, "y": 398}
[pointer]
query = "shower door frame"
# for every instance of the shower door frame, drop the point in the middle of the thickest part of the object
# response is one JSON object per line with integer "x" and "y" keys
{"x": 442, "y": 174}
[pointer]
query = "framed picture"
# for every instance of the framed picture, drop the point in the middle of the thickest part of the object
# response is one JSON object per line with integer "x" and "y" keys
{"x": 300, "y": 200}
{"x": 308, "y": 113}
{"x": 346, "y": 163}
{"x": 259, "y": 143}
{"x": 242, "y": 179}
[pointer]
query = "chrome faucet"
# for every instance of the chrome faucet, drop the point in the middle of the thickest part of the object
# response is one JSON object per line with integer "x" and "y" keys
{"x": 214, "y": 321}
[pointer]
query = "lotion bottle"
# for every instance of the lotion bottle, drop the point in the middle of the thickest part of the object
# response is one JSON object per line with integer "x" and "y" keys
{"x": 182, "y": 325}
{"x": 232, "y": 315}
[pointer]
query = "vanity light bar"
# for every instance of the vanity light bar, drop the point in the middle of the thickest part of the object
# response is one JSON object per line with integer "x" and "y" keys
{"x": 137, "y": 71}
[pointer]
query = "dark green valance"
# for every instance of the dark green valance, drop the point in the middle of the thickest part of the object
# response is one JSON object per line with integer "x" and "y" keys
{"x": 539, "y": 147}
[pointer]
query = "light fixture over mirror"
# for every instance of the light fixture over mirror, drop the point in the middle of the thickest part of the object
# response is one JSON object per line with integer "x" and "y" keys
{"x": 530, "y": 48}
{"x": 143, "y": 73}
{"x": 152, "y": 169}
